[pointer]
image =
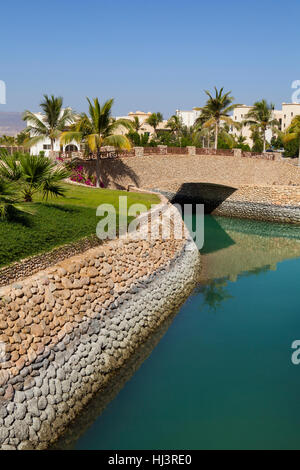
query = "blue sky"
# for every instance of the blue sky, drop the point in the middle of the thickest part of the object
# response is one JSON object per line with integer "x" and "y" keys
{"x": 152, "y": 56}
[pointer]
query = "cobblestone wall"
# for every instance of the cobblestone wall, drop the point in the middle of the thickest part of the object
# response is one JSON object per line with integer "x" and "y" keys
{"x": 65, "y": 331}
{"x": 162, "y": 170}
{"x": 272, "y": 204}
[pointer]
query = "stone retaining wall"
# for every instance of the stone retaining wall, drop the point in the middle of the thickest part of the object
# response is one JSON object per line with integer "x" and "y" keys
{"x": 22, "y": 269}
{"x": 257, "y": 211}
{"x": 65, "y": 331}
{"x": 272, "y": 204}
{"x": 159, "y": 171}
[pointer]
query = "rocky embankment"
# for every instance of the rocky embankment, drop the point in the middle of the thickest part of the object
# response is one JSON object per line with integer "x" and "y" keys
{"x": 65, "y": 331}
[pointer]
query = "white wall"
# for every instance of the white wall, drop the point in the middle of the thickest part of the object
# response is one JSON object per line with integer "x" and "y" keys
{"x": 188, "y": 117}
{"x": 39, "y": 147}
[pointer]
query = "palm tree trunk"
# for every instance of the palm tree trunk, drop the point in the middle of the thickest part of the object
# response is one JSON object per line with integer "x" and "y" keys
{"x": 98, "y": 169}
{"x": 264, "y": 139}
{"x": 216, "y": 135}
{"x": 299, "y": 154}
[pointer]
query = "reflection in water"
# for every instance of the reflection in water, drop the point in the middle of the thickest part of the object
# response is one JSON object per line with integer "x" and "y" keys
{"x": 97, "y": 405}
{"x": 214, "y": 381}
{"x": 214, "y": 293}
{"x": 235, "y": 247}
{"x": 254, "y": 247}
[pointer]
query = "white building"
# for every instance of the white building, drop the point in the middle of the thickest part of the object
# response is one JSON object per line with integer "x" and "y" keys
{"x": 142, "y": 117}
{"x": 283, "y": 116}
{"x": 44, "y": 145}
{"x": 188, "y": 118}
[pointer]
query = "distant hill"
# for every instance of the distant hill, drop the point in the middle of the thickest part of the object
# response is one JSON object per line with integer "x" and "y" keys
{"x": 11, "y": 123}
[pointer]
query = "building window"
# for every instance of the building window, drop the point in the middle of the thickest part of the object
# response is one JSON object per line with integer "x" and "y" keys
{"x": 284, "y": 116}
{"x": 46, "y": 147}
{"x": 292, "y": 114}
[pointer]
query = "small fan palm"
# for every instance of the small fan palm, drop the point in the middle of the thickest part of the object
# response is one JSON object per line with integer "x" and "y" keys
{"x": 99, "y": 129}
{"x": 41, "y": 175}
{"x": 9, "y": 166}
{"x": 33, "y": 174}
{"x": 9, "y": 201}
{"x": 53, "y": 122}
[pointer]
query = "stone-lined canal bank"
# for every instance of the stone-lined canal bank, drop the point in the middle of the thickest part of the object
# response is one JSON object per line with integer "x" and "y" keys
{"x": 65, "y": 331}
{"x": 279, "y": 204}
{"x": 222, "y": 376}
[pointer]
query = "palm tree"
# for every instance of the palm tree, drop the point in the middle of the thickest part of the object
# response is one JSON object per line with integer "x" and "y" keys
{"x": 33, "y": 174}
{"x": 200, "y": 131}
{"x": 7, "y": 140}
{"x": 293, "y": 133}
{"x": 53, "y": 122}
{"x": 21, "y": 138}
{"x": 217, "y": 109}
{"x": 175, "y": 124}
{"x": 260, "y": 117}
{"x": 202, "y": 134}
{"x": 99, "y": 129}
{"x": 241, "y": 140}
{"x": 154, "y": 119}
{"x": 136, "y": 124}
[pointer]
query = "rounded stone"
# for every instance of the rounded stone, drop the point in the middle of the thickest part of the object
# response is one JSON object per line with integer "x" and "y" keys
{"x": 21, "y": 430}
{"x": 20, "y": 411}
{"x": 4, "y": 433}
{"x": 42, "y": 403}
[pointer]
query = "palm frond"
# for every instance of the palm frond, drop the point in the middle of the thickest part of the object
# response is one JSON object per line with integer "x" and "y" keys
{"x": 9, "y": 167}
{"x": 34, "y": 121}
{"x": 93, "y": 141}
{"x": 33, "y": 141}
{"x": 120, "y": 123}
{"x": 69, "y": 136}
{"x": 118, "y": 141}
{"x": 290, "y": 136}
{"x": 210, "y": 122}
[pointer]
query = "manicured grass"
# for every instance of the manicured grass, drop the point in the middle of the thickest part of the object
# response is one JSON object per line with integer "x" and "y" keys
{"x": 60, "y": 221}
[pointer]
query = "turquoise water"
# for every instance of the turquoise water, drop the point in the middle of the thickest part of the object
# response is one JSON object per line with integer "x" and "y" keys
{"x": 221, "y": 377}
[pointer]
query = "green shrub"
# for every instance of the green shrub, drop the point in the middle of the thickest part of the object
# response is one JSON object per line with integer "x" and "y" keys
{"x": 291, "y": 149}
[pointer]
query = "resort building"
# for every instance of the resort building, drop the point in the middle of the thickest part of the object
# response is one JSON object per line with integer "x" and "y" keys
{"x": 188, "y": 118}
{"x": 44, "y": 145}
{"x": 283, "y": 116}
{"x": 145, "y": 127}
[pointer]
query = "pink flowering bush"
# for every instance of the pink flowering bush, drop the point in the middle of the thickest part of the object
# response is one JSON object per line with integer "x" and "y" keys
{"x": 80, "y": 176}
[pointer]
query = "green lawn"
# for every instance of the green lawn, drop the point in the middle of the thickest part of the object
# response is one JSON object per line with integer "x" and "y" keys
{"x": 60, "y": 221}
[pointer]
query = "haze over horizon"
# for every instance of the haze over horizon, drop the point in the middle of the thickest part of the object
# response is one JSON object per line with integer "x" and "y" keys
{"x": 149, "y": 57}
